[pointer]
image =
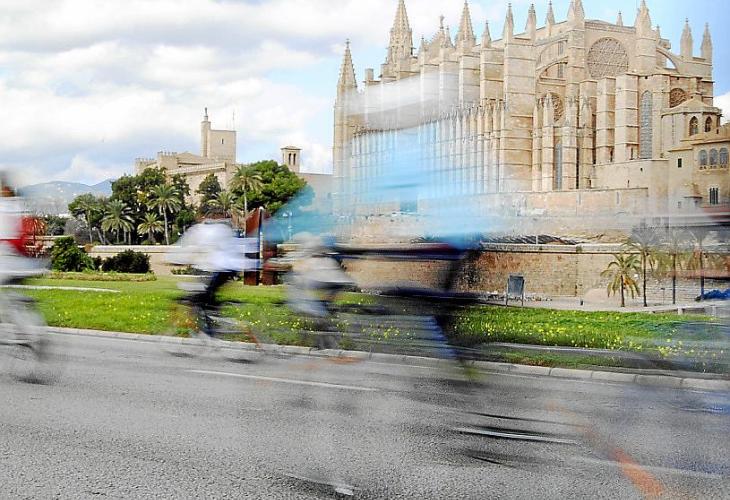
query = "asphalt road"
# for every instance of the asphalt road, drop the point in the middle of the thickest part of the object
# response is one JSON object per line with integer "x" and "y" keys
{"x": 125, "y": 419}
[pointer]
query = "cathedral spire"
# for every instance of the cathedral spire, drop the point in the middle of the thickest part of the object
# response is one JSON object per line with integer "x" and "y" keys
{"x": 465, "y": 36}
{"x": 486, "y": 36}
{"x": 686, "y": 43}
{"x": 205, "y": 114}
{"x": 576, "y": 12}
{"x": 447, "y": 42}
{"x": 401, "y": 36}
{"x": 550, "y": 17}
{"x": 643, "y": 20}
{"x": 531, "y": 26}
{"x": 620, "y": 19}
{"x": 707, "y": 44}
{"x": 347, "y": 79}
{"x": 509, "y": 25}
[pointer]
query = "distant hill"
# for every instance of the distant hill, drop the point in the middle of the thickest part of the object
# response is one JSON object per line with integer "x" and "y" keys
{"x": 52, "y": 198}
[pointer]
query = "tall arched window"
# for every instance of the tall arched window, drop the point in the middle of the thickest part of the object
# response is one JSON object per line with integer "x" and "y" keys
{"x": 713, "y": 157}
{"x": 558, "y": 160}
{"x": 645, "y": 132}
{"x": 708, "y": 124}
{"x": 694, "y": 126}
{"x": 703, "y": 158}
{"x": 714, "y": 196}
{"x": 723, "y": 157}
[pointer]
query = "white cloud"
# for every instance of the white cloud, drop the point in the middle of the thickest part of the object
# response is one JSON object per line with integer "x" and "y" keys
{"x": 723, "y": 102}
{"x": 82, "y": 168}
{"x": 88, "y": 85}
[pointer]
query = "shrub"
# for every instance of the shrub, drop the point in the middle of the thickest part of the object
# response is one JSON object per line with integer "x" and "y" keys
{"x": 128, "y": 261}
{"x": 66, "y": 256}
{"x": 98, "y": 262}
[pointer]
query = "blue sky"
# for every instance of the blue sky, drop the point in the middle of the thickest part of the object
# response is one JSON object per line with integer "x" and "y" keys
{"x": 88, "y": 85}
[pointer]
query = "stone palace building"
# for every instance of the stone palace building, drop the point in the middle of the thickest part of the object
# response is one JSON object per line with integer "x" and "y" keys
{"x": 217, "y": 156}
{"x": 567, "y": 119}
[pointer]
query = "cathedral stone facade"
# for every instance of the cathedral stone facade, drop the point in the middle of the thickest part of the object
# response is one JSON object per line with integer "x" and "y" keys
{"x": 570, "y": 118}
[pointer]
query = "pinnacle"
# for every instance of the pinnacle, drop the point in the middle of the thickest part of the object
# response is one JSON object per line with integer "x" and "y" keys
{"x": 465, "y": 35}
{"x": 347, "y": 70}
{"x": 550, "y": 17}
{"x": 486, "y": 36}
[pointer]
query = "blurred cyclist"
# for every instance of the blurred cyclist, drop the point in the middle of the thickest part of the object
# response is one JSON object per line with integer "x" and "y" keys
{"x": 213, "y": 248}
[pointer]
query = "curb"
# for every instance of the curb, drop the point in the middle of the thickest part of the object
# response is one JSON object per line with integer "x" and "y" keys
{"x": 665, "y": 381}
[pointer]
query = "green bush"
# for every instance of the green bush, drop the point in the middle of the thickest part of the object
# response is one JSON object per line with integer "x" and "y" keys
{"x": 128, "y": 261}
{"x": 66, "y": 256}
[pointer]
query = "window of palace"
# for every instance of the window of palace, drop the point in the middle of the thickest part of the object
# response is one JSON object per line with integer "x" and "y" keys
{"x": 703, "y": 158}
{"x": 679, "y": 162}
{"x": 723, "y": 157}
{"x": 708, "y": 124}
{"x": 713, "y": 157}
{"x": 694, "y": 126}
{"x": 645, "y": 130}
{"x": 714, "y": 196}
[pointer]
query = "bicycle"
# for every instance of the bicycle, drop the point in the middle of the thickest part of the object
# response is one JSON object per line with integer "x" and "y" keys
{"x": 195, "y": 330}
{"x": 23, "y": 334}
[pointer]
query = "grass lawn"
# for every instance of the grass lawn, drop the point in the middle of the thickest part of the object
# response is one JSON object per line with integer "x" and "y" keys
{"x": 145, "y": 307}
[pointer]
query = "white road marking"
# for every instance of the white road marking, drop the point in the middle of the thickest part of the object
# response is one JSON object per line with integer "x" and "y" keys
{"x": 287, "y": 381}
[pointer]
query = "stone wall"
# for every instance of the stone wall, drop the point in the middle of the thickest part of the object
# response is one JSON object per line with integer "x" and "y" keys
{"x": 156, "y": 254}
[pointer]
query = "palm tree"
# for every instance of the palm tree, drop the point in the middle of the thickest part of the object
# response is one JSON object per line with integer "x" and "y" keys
{"x": 673, "y": 256}
{"x": 697, "y": 260}
{"x": 644, "y": 241}
{"x": 150, "y": 225}
{"x": 88, "y": 205}
{"x": 226, "y": 202}
{"x": 246, "y": 179}
{"x": 620, "y": 273}
{"x": 118, "y": 218}
{"x": 165, "y": 198}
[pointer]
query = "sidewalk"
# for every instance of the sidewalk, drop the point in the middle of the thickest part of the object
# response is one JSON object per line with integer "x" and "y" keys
{"x": 653, "y": 378}
{"x": 574, "y": 304}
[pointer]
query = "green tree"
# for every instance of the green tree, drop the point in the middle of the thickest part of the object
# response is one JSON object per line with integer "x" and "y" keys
{"x": 247, "y": 180}
{"x": 55, "y": 225}
{"x": 150, "y": 225}
{"x": 696, "y": 261}
{"x": 644, "y": 240}
{"x": 672, "y": 256}
{"x": 166, "y": 200}
{"x": 134, "y": 191}
{"x": 208, "y": 190}
{"x": 225, "y": 203}
{"x": 117, "y": 218}
{"x": 184, "y": 219}
{"x": 89, "y": 208}
{"x": 181, "y": 186}
{"x": 66, "y": 256}
{"x": 620, "y": 273}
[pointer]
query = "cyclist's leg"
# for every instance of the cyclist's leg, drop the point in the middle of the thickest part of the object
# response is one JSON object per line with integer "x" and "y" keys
{"x": 208, "y": 301}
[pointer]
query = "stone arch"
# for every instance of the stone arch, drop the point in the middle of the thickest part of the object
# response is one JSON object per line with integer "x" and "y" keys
{"x": 676, "y": 61}
{"x": 703, "y": 158}
{"x": 708, "y": 124}
{"x": 694, "y": 126}
{"x": 714, "y": 157}
{"x": 723, "y": 157}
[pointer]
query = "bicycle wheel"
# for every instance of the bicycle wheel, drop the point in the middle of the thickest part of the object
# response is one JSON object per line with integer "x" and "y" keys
{"x": 31, "y": 357}
{"x": 184, "y": 336}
